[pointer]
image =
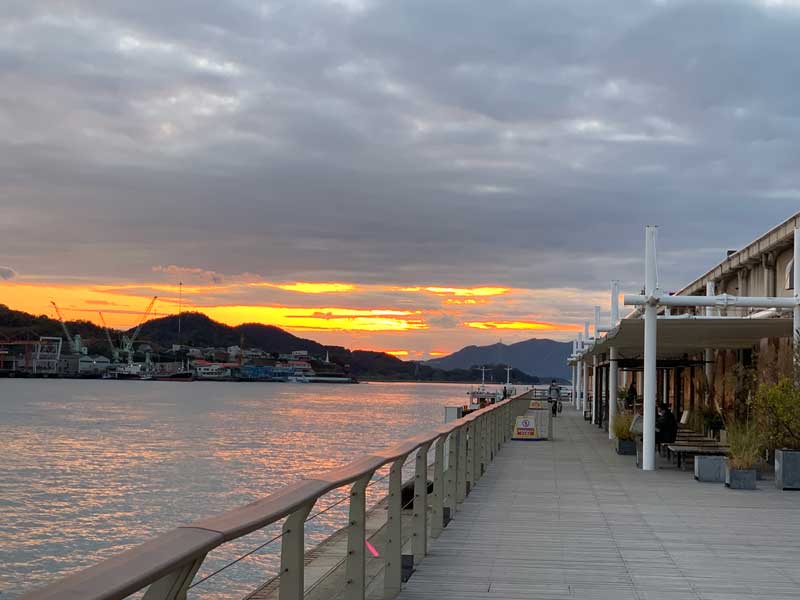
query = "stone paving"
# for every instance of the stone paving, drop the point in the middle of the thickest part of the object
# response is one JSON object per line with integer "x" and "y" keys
{"x": 571, "y": 519}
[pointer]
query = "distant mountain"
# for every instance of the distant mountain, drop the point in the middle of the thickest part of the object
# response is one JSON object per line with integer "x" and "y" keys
{"x": 199, "y": 330}
{"x": 541, "y": 357}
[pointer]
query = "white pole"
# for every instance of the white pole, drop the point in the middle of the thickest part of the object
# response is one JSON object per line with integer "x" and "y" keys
{"x": 796, "y": 267}
{"x": 708, "y": 355}
{"x": 650, "y": 349}
{"x": 585, "y": 396}
{"x": 579, "y": 378}
{"x": 612, "y": 359}
{"x": 597, "y": 322}
{"x": 595, "y": 388}
{"x": 574, "y": 374}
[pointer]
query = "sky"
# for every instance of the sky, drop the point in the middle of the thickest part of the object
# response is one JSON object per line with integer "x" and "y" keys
{"x": 403, "y": 175}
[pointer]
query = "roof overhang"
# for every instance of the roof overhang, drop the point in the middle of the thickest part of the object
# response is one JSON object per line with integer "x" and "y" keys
{"x": 679, "y": 336}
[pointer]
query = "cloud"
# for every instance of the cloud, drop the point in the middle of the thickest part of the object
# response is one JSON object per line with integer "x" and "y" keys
{"x": 7, "y": 273}
{"x": 192, "y": 272}
{"x": 395, "y": 144}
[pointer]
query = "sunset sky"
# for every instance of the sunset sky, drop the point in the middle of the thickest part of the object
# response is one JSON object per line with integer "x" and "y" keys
{"x": 401, "y": 175}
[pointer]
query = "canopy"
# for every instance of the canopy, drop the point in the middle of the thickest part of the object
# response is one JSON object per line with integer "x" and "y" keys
{"x": 679, "y": 336}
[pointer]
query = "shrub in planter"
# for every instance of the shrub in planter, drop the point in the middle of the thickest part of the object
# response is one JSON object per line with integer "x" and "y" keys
{"x": 777, "y": 407}
{"x": 745, "y": 443}
{"x": 622, "y": 431}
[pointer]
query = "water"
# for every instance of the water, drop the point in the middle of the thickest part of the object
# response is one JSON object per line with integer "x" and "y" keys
{"x": 90, "y": 468}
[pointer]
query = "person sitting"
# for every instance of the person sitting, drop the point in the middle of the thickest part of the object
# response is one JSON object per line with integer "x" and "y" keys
{"x": 666, "y": 425}
{"x": 630, "y": 397}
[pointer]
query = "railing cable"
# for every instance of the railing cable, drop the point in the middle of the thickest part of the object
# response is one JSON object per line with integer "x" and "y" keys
{"x": 276, "y": 538}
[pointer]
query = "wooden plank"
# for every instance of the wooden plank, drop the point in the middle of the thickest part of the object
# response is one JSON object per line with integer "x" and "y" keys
{"x": 571, "y": 519}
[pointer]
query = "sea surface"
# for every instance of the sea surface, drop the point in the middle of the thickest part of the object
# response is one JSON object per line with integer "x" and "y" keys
{"x": 90, "y": 468}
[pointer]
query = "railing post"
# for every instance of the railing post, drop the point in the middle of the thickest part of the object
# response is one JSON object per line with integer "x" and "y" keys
{"x": 174, "y": 585}
{"x": 462, "y": 472}
{"x": 292, "y": 555}
{"x": 475, "y": 440}
{"x": 393, "y": 553}
{"x": 485, "y": 442}
{"x": 451, "y": 475}
{"x": 437, "y": 499}
{"x": 355, "y": 579}
{"x": 490, "y": 436}
{"x": 420, "y": 543}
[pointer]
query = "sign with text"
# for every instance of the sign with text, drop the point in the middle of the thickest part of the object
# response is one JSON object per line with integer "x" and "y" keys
{"x": 524, "y": 429}
{"x": 539, "y": 405}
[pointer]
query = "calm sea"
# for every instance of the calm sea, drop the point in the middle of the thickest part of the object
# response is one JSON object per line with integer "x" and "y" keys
{"x": 90, "y": 468}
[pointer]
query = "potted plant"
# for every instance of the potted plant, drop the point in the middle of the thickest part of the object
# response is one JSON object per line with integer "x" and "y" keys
{"x": 744, "y": 441}
{"x": 777, "y": 407}
{"x": 622, "y": 431}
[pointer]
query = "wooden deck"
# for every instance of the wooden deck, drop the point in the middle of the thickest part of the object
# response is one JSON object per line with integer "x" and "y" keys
{"x": 571, "y": 519}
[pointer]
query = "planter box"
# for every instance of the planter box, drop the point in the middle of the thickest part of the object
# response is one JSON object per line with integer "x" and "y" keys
{"x": 787, "y": 469}
{"x": 626, "y": 447}
{"x": 709, "y": 468}
{"x": 740, "y": 479}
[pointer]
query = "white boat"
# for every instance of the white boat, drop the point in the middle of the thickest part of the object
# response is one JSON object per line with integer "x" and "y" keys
{"x": 482, "y": 396}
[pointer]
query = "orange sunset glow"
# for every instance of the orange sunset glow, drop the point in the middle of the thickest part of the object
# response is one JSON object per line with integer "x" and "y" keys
{"x": 410, "y": 321}
{"x": 520, "y": 325}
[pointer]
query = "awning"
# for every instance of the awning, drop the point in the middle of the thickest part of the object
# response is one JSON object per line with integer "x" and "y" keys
{"x": 679, "y": 336}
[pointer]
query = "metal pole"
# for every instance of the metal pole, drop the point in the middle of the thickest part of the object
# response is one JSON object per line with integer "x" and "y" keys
{"x": 420, "y": 518}
{"x": 579, "y": 376}
{"x": 796, "y": 282}
{"x": 355, "y": 576}
{"x": 292, "y": 554}
{"x": 613, "y": 373}
{"x": 437, "y": 498}
{"x": 708, "y": 355}
{"x": 394, "y": 533}
{"x": 650, "y": 349}
{"x": 596, "y": 389}
{"x": 462, "y": 472}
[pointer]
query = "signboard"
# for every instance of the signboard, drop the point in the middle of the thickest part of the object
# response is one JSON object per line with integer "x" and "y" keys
{"x": 524, "y": 429}
{"x": 539, "y": 405}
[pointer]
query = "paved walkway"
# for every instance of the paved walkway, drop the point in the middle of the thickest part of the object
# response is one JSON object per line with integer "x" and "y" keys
{"x": 571, "y": 519}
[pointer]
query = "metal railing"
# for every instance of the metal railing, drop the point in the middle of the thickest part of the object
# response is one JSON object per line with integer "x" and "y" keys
{"x": 167, "y": 564}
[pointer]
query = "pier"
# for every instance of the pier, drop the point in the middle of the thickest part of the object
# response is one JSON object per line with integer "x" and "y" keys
{"x": 566, "y": 518}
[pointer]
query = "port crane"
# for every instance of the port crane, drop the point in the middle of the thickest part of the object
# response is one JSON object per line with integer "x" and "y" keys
{"x": 114, "y": 349}
{"x": 127, "y": 342}
{"x": 74, "y": 345}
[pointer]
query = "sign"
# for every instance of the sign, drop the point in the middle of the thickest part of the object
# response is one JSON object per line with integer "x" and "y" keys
{"x": 539, "y": 405}
{"x": 524, "y": 429}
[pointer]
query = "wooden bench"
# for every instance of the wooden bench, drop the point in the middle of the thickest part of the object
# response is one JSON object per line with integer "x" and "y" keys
{"x": 712, "y": 448}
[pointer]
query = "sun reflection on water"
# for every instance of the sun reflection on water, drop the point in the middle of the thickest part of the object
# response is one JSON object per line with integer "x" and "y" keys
{"x": 93, "y": 467}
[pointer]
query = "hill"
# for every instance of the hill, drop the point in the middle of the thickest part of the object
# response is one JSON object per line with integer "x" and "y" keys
{"x": 199, "y": 330}
{"x": 546, "y": 358}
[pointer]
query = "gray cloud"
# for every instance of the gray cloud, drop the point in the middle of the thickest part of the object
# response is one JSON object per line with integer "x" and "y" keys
{"x": 407, "y": 141}
{"x": 7, "y": 273}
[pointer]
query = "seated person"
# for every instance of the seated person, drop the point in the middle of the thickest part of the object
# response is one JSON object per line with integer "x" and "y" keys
{"x": 666, "y": 425}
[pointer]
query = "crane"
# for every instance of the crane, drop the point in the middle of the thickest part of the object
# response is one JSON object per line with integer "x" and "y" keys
{"x": 72, "y": 344}
{"x": 127, "y": 342}
{"x": 114, "y": 349}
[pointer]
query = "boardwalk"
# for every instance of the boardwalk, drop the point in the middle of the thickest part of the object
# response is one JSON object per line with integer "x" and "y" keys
{"x": 571, "y": 519}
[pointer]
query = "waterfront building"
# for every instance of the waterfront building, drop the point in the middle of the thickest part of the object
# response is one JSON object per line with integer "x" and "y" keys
{"x": 700, "y": 352}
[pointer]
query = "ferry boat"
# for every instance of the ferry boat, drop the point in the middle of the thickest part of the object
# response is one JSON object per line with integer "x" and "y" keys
{"x": 482, "y": 396}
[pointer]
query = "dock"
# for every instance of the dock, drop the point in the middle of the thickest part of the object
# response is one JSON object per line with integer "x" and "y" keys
{"x": 572, "y": 519}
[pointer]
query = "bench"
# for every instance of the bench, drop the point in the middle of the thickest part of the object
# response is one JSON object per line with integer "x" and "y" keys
{"x": 712, "y": 448}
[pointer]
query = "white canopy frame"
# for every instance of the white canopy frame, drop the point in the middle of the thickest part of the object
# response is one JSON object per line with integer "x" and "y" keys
{"x": 654, "y": 298}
